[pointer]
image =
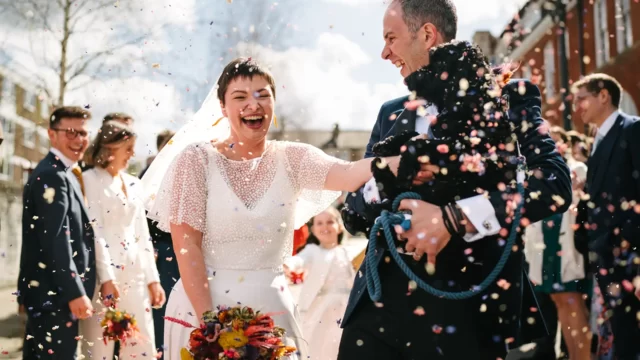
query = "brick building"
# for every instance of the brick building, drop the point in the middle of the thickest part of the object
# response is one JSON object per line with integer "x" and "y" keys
{"x": 23, "y": 117}
{"x": 610, "y": 31}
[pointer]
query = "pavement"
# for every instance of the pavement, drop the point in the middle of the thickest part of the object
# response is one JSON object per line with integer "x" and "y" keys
{"x": 11, "y": 326}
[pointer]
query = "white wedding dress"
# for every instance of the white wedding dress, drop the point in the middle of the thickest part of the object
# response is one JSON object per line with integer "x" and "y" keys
{"x": 247, "y": 211}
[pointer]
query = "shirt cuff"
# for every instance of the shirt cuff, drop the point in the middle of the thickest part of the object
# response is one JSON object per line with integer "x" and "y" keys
{"x": 481, "y": 214}
{"x": 370, "y": 192}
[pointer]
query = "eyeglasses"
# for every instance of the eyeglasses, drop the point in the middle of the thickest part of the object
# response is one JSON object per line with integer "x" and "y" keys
{"x": 72, "y": 134}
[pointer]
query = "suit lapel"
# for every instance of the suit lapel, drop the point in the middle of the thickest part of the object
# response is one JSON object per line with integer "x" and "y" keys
{"x": 392, "y": 130}
{"x": 77, "y": 192}
{"x": 599, "y": 161}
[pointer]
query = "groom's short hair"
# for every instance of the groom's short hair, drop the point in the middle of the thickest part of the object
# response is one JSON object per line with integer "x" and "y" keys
{"x": 441, "y": 13}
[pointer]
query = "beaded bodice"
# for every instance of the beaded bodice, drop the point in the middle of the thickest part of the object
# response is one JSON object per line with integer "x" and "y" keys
{"x": 247, "y": 210}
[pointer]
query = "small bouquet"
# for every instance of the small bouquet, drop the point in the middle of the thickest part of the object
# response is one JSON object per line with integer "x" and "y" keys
{"x": 235, "y": 333}
{"x": 296, "y": 277}
{"x": 118, "y": 325}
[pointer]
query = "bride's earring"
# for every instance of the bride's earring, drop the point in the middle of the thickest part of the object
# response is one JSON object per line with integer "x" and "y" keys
{"x": 275, "y": 121}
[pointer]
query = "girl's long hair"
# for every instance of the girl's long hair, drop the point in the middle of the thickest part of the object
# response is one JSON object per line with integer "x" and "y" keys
{"x": 111, "y": 134}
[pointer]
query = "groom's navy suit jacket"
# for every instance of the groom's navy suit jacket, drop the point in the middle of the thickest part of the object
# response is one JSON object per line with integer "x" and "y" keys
{"x": 57, "y": 263}
{"x": 550, "y": 181}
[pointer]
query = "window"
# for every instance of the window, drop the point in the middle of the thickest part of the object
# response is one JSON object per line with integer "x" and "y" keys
{"x": 550, "y": 70}
{"x": 602, "y": 32}
{"x": 8, "y": 92}
{"x": 624, "y": 36}
{"x": 25, "y": 176}
{"x": 44, "y": 109}
{"x": 43, "y": 143}
{"x": 526, "y": 72}
{"x": 627, "y": 105}
{"x": 567, "y": 49}
{"x": 30, "y": 100}
{"x": 29, "y": 136}
{"x": 6, "y": 150}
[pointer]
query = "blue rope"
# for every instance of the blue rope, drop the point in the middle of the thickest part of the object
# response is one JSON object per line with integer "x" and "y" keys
{"x": 388, "y": 220}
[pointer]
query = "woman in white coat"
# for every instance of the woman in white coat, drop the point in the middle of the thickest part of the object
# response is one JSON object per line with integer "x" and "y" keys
{"x": 121, "y": 229}
{"x": 327, "y": 282}
{"x": 556, "y": 267}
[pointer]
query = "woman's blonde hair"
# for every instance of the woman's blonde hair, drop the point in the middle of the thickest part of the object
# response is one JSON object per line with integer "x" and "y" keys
{"x": 111, "y": 135}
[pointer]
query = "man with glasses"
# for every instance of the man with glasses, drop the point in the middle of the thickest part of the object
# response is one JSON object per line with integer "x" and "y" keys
{"x": 58, "y": 261}
{"x": 612, "y": 212}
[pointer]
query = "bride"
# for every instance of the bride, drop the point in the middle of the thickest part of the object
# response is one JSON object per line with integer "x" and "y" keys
{"x": 232, "y": 204}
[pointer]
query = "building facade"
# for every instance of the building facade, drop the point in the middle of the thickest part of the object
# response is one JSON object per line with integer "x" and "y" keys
{"x": 610, "y": 32}
{"x": 23, "y": 118}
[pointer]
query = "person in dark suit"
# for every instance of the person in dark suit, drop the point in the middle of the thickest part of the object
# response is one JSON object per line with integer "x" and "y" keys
{"x": 165, "y": 256}
{"x": 612, "y": 218}
{"x": 58, "y": 273}
{"x": 410, "y": 323}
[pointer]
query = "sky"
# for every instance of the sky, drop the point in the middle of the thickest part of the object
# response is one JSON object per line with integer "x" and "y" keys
{"x": 326, "y": 59}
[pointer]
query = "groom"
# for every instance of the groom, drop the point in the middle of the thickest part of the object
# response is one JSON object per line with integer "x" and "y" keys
{"x": 409, "y": 323}
{"x": 58, "y": 262}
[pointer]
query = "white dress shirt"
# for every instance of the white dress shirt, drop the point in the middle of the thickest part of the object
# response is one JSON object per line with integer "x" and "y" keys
{"x": 65, "y": 160}
{"x": 478, "y": 209}
{"x": 603, "y": 130}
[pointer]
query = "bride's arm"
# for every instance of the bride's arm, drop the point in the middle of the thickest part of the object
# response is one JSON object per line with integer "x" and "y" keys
{"x": 180, "y": 207}
{"x": 350, "y": 176}
{"x": 188, "y": 245}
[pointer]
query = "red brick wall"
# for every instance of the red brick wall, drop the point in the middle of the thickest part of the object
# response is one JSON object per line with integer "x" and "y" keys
{"x": 621, "y": 66}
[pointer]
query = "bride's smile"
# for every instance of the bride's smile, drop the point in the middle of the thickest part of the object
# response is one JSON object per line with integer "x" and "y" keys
{"x": 248, "y": 104}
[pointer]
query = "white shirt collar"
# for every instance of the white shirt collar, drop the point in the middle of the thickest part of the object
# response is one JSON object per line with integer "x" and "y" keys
{"x": 607, "y": 124}
{"x": 65, "y": 160}
{"x": 423, "y": 123}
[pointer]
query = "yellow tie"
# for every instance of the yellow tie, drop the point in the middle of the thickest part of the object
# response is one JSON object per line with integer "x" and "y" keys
{"x": 78, "y": 173}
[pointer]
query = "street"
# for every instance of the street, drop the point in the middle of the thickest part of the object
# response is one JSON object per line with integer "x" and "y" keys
{"x": 11, "y": 326}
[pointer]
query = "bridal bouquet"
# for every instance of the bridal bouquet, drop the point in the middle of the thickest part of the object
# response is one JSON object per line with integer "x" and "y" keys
{"x": 118, "y": 325}
{"x": 235, "y": 333}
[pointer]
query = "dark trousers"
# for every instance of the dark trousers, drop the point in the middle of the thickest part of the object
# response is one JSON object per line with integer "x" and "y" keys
{"x": 417, "y": 325}
{"x": 55, "y": 331}
{"x": 169, "y": 274}
{"x": 625, "y": 319}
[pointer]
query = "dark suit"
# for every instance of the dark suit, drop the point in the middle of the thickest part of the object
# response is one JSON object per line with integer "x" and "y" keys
{"x": 167, "y": 265}
{"x": 57, "y": 263}
{"x": 613, "y": 180}
{"x": 450, "y": 328}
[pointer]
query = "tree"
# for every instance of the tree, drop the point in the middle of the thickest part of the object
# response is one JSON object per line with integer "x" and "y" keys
{"x": 70, "y": 41}
{"x": 238, "y": 28}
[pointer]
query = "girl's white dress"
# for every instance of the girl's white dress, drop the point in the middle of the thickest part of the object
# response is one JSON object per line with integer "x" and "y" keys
{"x": 247, "y": 211}
{"x": 121, "y": 230}
{"x": 323, "y": 296}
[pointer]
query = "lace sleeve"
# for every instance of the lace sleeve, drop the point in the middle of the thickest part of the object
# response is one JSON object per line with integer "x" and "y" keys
{"x": 182, "y": 196}
{"x": 308, "y": 168}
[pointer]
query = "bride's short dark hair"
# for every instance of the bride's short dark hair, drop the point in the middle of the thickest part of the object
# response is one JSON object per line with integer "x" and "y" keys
{"x": 243, "y": 67}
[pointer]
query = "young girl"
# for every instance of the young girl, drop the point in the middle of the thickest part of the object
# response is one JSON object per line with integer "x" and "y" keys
{"x": 325, "y": 289}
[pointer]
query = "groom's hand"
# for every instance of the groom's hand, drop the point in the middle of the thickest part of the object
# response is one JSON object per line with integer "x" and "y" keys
{"x": 427, "y": 234}
{"x": 81, "y": 307}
